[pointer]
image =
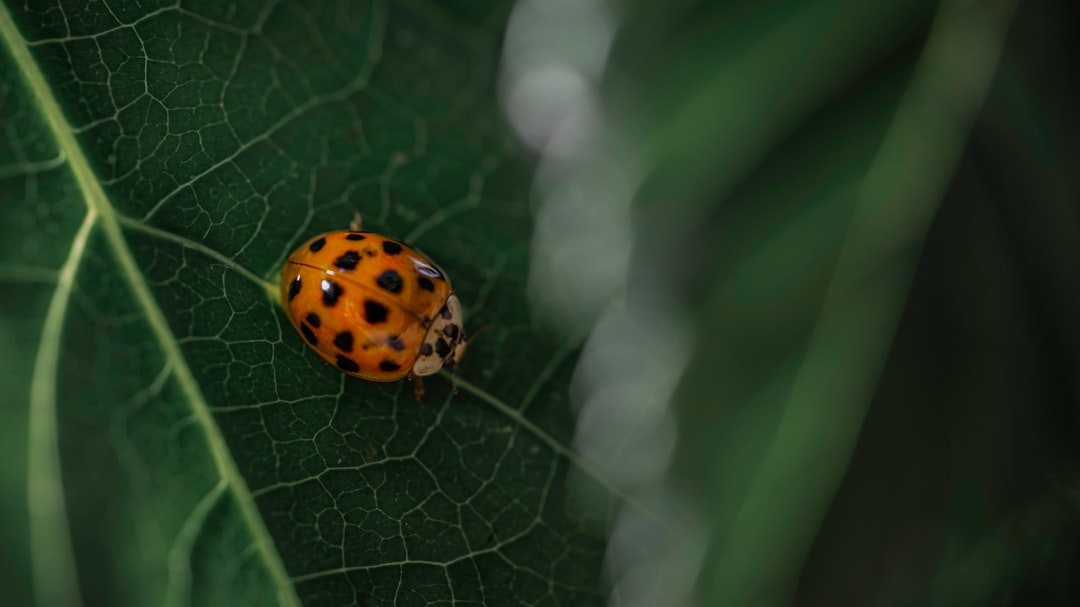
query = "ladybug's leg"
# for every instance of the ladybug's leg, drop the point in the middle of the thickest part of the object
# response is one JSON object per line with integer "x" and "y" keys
{"x": 356, "y": 224}
{"x": 453, "y": 376}
{"x": 419, "y": 386}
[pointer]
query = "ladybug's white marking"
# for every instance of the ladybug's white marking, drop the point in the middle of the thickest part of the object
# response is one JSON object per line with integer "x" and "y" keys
{"x": 453, "y": 348}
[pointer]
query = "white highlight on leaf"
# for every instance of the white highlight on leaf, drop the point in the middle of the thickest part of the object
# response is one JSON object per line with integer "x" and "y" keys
{"x": 555, "y": 54}
{"x": 652, "y": 565}
{"x": 623, "y": 385}
{"x": 544, "y": 98}
{"x": 623, "y": 382}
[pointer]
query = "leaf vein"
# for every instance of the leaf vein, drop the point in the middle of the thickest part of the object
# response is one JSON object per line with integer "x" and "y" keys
{"x": 352, "y": 87}
{"x": 51, "y": 552}
{"x": 574, "y": 458}
{"x": 135, "y": 224}
{"x": 178, "y": 588}
{"x": 100, "y": 209}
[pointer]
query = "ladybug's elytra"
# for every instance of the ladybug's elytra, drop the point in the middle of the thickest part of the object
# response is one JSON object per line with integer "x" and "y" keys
{"x": 372, "y": 306}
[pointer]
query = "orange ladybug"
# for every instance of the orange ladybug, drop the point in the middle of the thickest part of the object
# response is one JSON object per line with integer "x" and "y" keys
{"x": 372, "y": 306}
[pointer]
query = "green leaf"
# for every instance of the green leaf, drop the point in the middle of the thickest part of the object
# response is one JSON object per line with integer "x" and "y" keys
{"x": 184, "y": 446}
{"x": 795, "y": 156}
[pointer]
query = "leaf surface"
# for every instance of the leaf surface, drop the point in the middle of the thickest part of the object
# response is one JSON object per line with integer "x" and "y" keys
{"x": 185, "y": 447}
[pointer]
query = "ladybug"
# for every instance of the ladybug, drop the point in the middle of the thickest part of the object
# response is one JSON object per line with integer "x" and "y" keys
{"x": 373, "y": 306}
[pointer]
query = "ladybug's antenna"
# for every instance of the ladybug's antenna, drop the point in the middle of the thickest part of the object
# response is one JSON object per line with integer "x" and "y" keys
{"x": 470, "y": 338}
{"x": 468, "y": 341}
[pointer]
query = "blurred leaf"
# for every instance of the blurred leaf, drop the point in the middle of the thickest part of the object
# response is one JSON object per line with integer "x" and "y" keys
{"x": 799, "y": 152}
{"x": 185, "y": 447}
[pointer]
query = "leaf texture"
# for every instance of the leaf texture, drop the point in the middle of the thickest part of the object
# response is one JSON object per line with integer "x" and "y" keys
{"x": 160, "y": 160}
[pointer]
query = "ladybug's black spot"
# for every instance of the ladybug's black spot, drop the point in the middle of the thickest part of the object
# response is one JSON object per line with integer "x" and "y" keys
{"x": 396, "y": 343}
{"x": 426, "y": 284}
{"x": 442, "y": 348}
{"x": 348, "y": 261}
{"x": 347, "y": 364}
{"x": 331, "y": 291}
{"x": 294, "y": 288}
{"x": 390, "y": 247}
{"x": 344, "y": 341}
{"x": 451, "y": 330}
{"x": 426, "y": 349}
{"x": 354, "y": 237}
{"x": 309, "y": 335}
{"x": 389, "y": 365}
{"x": 390, "y": 280}
{"x": 375, "y": 312}
{"x": 317, "y": 246}
{"x": 313, "y": 320}
{"x": 445, "y": 313}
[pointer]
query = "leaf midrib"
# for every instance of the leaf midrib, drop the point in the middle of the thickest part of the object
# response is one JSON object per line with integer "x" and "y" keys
{"x": 98, "y": 204}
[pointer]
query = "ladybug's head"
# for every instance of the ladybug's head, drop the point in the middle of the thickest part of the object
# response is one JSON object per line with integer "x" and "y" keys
{"x": 444, "y": 343}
